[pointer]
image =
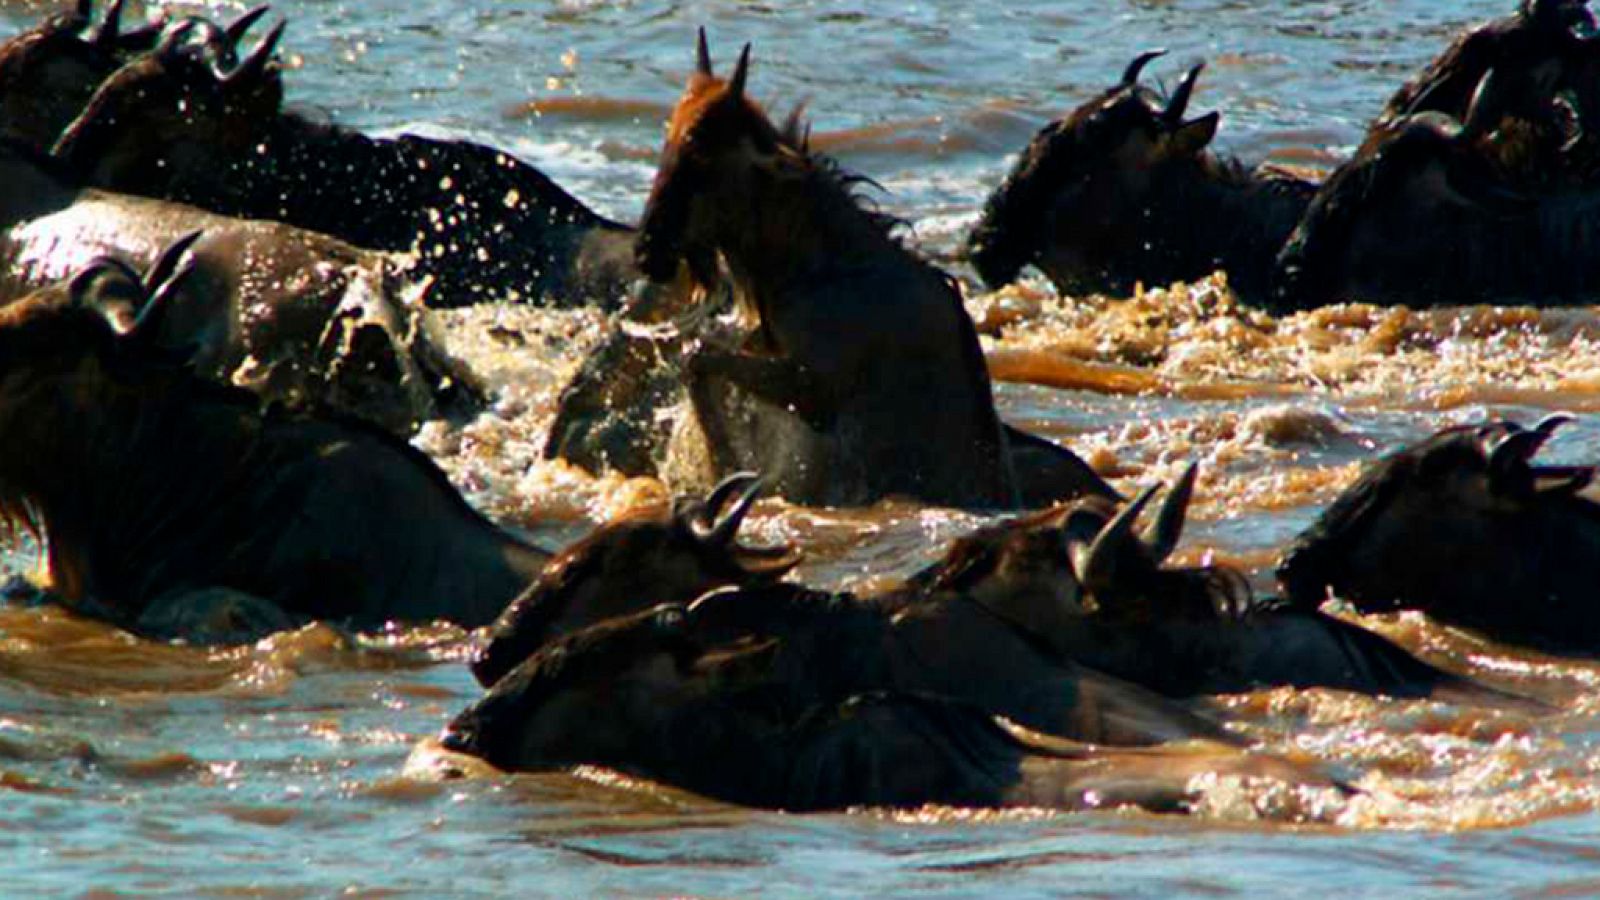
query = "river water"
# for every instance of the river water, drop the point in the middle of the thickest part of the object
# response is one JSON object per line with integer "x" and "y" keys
{"x": 277, "y": 768}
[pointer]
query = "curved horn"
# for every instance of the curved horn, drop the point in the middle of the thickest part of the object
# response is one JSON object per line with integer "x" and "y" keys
{"x": 167, "y": 263}
{"x": 1179, "y": 104}
{"x": 737, "y": 493}
{"x": 702, "y": 53}
{"x": 147, "y": 326}
{"x": 740, "y": 73}
{"x": 1130, "y": 75}
{"x": 105, "y": 37}
{"x": 237, "y": 28}
{"x": 1099, "y": 567}
{"x": 1486, "y": 108}
{"x": 173, "y": 39}
{"x": 1162, "y": 534}
{"x": 1547, "y": 426}
{"x": 80, "y": 282}
{"x": 1516, "y": 447}
{"x": 255, "y": 64}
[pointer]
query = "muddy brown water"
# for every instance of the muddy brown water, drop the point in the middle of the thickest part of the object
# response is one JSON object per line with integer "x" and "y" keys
{"x": 279, "y": 768}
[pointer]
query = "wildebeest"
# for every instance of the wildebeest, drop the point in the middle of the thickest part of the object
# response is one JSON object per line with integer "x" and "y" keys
{"x": 1125, "y": 190}
{"x": 159, "y": 492}
{"x": 944, "y": 641}
{"x": 1544, "y": 51}
{"x": 1421, "y": 215}
{"x": 1085, "y": 582}
{"x": 861, "y": 375}
{"x": 292, "y": 315}
{"x": 481, "y": 223}
{"x": 671, "y": 694}
{"x": 48, "y": 72}
{"x": 1467, "y": 528}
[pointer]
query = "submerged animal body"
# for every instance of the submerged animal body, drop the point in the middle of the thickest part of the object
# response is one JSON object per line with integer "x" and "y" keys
{"x": 673, "y": 694}
{"x": 481, "y": 224}
{"x": 154, "y": 486}
{"x": 862, "y": 376}
{"x": 292, "y": 315}
{"x": 1124, "y": 191}
{"x": 1422, "y": 216}
{"x": 1466, "y": 528}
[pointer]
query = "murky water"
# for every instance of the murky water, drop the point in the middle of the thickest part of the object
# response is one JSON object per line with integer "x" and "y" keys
{"x": 277, "y": 767}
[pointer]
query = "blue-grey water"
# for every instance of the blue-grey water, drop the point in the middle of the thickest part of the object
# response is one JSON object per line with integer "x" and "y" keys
{"x": 277, "y": 769}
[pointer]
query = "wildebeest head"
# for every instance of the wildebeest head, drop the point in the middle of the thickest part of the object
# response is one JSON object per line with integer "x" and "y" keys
{"x": 1463, "y": 519}
{"x": 717, "y": 140}
{"x": 160, "y": 124}
{"x": 1407, "y": 175}
{"x": 634, "y": 564}
{"x": 1090, "y": 174}
{"x": 1086, "y": 559}
{"x": 630, "y": 693}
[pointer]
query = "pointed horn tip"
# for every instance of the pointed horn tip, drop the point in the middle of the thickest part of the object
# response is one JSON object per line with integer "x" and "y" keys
{"x": 1549, "y": 424}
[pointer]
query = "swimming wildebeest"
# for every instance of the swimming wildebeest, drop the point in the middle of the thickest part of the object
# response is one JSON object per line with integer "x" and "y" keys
{"x": 1004, "y": 620}
{"x": 292, "y": 315}
{"x": 1083, "y": 581}
{"x": 1124, "y": 191}
{"x": 48, "y": 72}
{"x": 945, "y": 642}
{"x": 1541, "y": 56}
{"x": 175, "y": 506}
{"x": 1467, "y": 528}
{"x": 861, "y": 375}
{"x": 1421, "y": 215}
{"x": 481, "y": 223}
{"x": 673, "y": 694}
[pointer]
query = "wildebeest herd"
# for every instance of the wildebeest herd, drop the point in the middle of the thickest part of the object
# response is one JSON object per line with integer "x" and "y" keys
{"x": 214, "y": 344}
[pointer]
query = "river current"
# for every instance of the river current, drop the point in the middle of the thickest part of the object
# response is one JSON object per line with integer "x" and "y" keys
{"x": 278, "y": 768}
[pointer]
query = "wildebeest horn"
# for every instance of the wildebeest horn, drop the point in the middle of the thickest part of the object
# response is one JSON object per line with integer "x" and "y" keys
{"x": 1179, "y": 104}
{"x": 1162, "y": 534}
{"x": 726, "y": 507}
{"x": 1547, "y": 426}
{"x": 1516, "y": 447}
{"x": 1485, "y": 109}
{"x": 256, "y": 63}
{"x": 1098, "y": 568}
{"x": 237, "y": 28}
{"x": 147, "y": 326}
{"x": 167, "y": 262}
{"x": 80, "y": 282}
{"x": 105, "y": 37}
{"x": 740, "y": 72}
{"x": 173, "y": 39}
{"x": 1130, "y": 75}
{"x": 702, "y": 61}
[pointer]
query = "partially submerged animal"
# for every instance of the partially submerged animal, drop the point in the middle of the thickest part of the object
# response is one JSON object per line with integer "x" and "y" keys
{"x": 1086, "y": 582}
{"x": 481, "y": 224}
{"x": 174, "y": 506}
{"x": 292, "y": 315}
{"x": 1124, "y": 190}
{"x": 1421, "y": 215}
{"x": 861, "y": 375}
{"x": 672, "y": 695}
{"x": 1466, "y": 527}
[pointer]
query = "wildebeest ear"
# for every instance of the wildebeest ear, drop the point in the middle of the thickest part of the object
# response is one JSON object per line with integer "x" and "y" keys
{"x": 1193, "y": 136}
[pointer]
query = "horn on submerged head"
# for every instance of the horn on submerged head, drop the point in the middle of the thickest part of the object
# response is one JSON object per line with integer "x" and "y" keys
{"x": 726, "y": 506}
{"x": 236, "y": 29}
{"x": 172, "y": 40}
{"x": 167, "y": 262}
{"x": 78, "y": 287}
{"x": 1097, "y": 565}
{"x": 741, "y": 71}
{"x": 1487, "y": 106}
{"x": 1130, "y": 75}
{"x": 106, "y": 34}
{"x": 702, "y": 54}
{"x": 255, "y": 65}
{"x": 1163, "y": 533}
{"x": 161, "y": 283}
{"x": 1547, "y": 426}
{"x": 1179, "y": 103}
